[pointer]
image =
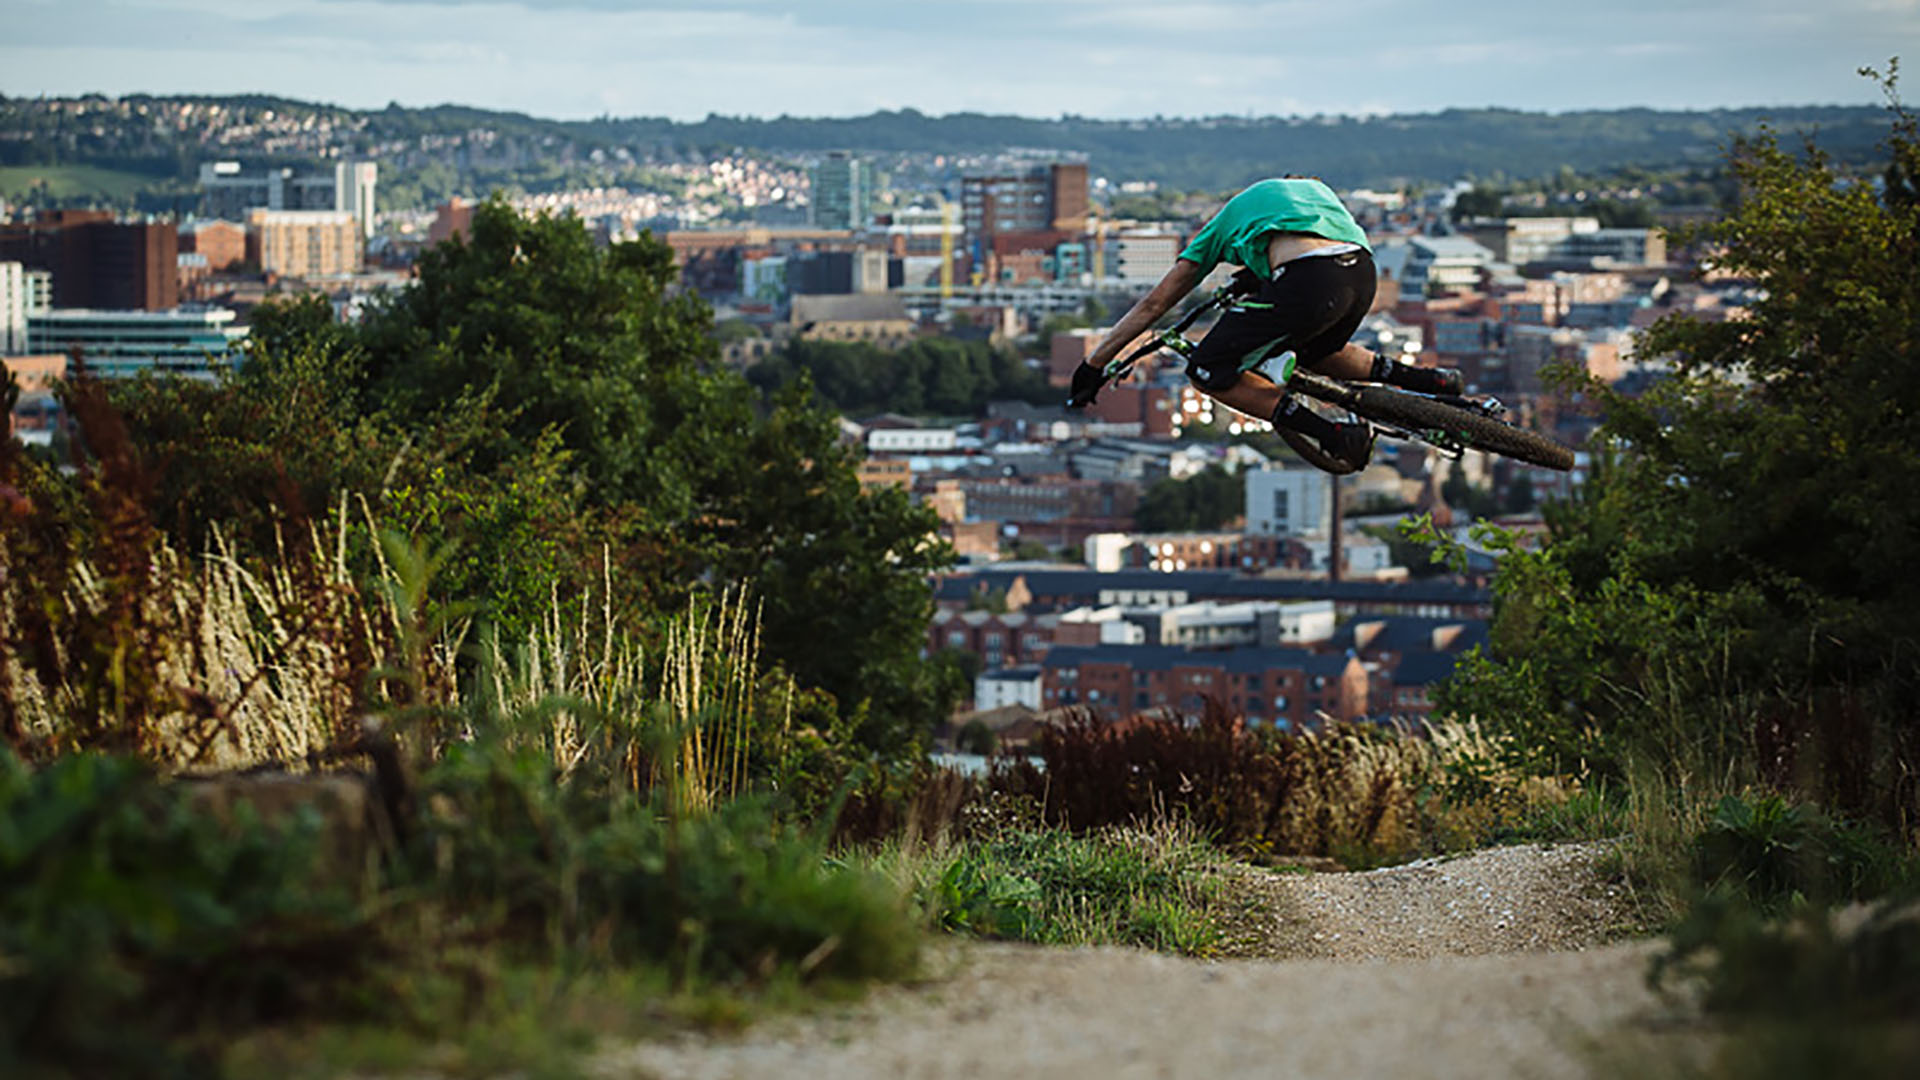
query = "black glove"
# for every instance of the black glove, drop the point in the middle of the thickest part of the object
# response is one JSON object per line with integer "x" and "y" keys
{"x": 1087, "y": 382}
{"x": 1244, "y": 283}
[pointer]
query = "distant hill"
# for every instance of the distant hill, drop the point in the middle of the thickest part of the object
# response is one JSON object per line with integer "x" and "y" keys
{"x": 1225, "y": 152}
{"x": 428, "y": 151}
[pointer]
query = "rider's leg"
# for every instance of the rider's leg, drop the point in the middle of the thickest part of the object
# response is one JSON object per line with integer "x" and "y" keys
{"x": 1356, "y": 363}
{"x": 1311, "y": 306}
{"x": 1352, "y": 363}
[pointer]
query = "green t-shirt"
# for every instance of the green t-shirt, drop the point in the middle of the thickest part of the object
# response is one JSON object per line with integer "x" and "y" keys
{"x": 1237, "y": 234}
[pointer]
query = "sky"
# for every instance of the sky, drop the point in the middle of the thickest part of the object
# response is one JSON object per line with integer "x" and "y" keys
{"x": 685, "y": 59}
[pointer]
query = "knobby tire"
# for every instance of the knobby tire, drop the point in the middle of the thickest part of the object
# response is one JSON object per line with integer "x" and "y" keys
{"x": 1481, "y": 432}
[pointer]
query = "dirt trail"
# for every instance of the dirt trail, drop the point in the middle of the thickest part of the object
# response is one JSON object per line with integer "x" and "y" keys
{"x": 1437, "y": 969}
{"x": 1514, "y": 899}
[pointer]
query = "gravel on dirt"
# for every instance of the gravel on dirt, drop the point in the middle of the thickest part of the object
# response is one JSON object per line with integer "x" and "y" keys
{"x": 1481, "y": 966}
{"x": 1501, "y": 900}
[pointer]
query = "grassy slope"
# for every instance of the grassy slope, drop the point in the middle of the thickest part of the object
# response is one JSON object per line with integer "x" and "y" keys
{"x": 71, "y": 181}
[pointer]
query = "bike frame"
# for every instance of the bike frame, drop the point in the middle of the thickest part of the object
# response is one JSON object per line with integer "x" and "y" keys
{"x": 1319, "y": 387}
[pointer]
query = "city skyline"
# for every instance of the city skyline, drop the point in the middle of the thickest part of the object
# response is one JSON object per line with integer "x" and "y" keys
{"x": 1117, "y": 59}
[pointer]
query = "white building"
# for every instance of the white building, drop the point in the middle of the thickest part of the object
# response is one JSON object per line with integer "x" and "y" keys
{"x": 13, "y": 308}
{"x": 184, "y": 340}
{"x": 1361, "y": 556}
{"x": 1113, "y": 624}
{"x": 24, "y": 293}
{"x": 1422, "y": 264}
{"x": 1008, "y": 686}
{"x": 764, "y": 278}
{"x": 912, "y": 440}
{"x": 1288, "y": 502}
{"x": 1141, "y": 256}
{"x": 1106, "y": 552}
{"x": 1209, "y": 624}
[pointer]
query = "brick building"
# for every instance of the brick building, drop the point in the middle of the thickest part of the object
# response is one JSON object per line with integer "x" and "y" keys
{"x": 1292, "y": 688}
{"x": 999, "y": 639}
{"x": 1041, "y": 198}
{"x": 221, "y": 243}
{"x": 96, "y": 262}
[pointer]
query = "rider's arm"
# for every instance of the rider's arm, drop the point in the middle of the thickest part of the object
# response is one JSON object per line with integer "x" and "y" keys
{"x": 1177, "y": 283}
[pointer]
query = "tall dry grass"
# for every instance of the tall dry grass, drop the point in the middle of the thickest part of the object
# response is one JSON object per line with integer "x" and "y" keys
{"x": 583, "y": 690}
{"x": 251, "y": 664}
{"x": 278, "y": 662}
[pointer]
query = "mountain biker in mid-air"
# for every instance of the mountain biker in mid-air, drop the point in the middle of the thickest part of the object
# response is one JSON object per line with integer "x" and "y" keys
{"x": 1308, "y": 282}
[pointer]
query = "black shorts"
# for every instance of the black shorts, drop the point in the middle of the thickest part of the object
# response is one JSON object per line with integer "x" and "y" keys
{"x": 1312, "y": 306}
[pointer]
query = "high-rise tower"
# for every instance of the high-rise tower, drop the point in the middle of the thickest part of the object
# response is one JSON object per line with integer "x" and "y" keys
{"x": 843, "y": 191}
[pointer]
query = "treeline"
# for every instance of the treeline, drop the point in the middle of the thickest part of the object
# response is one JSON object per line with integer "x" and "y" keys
{"x": 1213, "y": 154}
{"x": 930, "y": 377}
{"x": 1222, "y": 153}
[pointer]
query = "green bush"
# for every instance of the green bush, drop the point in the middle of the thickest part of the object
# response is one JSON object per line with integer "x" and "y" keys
{"x": 131, "y": 927}
{"x": 139, "y": 936}
{"x": 1804, "y": 996}
{"x": 731, "y": 894}
{"x": 1119, "y": 886}
{"x": 1773, "y": 852}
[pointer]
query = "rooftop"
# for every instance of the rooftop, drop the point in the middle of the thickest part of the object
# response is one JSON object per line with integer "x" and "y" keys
{"x": 1243, "y": 661}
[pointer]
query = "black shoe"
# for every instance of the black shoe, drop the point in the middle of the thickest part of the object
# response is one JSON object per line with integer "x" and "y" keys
{"x": 1350, "y": 443}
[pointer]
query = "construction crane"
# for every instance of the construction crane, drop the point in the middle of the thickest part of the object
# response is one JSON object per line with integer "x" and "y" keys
{"x": 946, "y": 250}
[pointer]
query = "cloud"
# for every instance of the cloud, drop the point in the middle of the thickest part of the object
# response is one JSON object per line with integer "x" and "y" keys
{"x": 1112, "y": 58}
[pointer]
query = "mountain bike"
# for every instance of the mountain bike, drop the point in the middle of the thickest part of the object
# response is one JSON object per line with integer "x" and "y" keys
{"x": 1451, "y": 424}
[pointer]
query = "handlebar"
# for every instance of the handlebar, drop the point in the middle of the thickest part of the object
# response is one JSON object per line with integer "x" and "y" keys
{"x": 1173, "y": 337}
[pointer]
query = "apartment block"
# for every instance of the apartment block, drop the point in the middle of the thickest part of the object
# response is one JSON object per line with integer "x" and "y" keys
{"x": 844, "y": 187}
{"x": 1142, "y": 256}
{"x": 1186, "y": 551}
{"x": 1569, "y": 240}
{"x": 1040, "y": 198}
{"x": 1288, "y": 502}
{"x": 306, "y": 243}
{"x": 93, "y": 261}
{"x": 1290, "y": 688}
{"x": 19, "y": 298}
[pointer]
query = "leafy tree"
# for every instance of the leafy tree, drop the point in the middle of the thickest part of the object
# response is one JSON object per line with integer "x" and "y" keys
{"x": 932, "y": 376}
{"x": 1735, "y": 587}
{"x": 1462, "y": 494}
{"x": 595, "y": 344}
{"x": 1520, "y": 496}
{"x": 1207, "y": 500}
{"x": 842, "y": 572}
{"x": 1479, "y": 202}
{"x": 254, "y": 451}
{"x": 689, "y": 480}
